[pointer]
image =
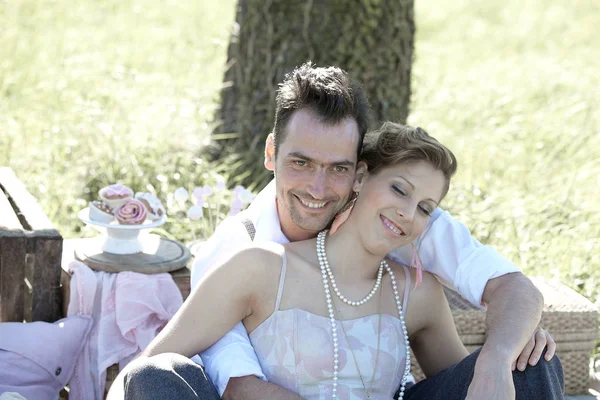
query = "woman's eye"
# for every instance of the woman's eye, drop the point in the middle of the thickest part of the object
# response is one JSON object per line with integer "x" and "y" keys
{"x": 425, "y": 210}
{"x": 399, "y": 190}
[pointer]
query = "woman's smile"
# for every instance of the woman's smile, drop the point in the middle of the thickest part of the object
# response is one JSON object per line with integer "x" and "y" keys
{"x": 392, "y": 227}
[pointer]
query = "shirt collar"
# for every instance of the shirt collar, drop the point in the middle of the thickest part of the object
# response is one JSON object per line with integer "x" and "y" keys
{"x": 266, "y": 219}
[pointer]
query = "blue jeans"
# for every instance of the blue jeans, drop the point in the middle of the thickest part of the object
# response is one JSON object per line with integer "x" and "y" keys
{"x": 171, "y": 376}
{"x": 545, "y": 381}
{"x": 168, "y": 376}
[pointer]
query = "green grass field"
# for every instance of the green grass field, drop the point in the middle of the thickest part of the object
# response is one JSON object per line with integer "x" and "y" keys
{"x": 92, "y": 92}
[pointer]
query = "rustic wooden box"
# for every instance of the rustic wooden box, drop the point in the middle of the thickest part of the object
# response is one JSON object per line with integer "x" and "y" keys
{"x": 30, "y": 255}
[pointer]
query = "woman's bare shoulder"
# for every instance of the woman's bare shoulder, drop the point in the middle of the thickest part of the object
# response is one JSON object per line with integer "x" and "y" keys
{"x": 429, "y": 284}
{"x": 301, "y": 253}
{"x": 267, "y": 253}
{"x": 253, "y": 261}
{"x": 424, "y": 300}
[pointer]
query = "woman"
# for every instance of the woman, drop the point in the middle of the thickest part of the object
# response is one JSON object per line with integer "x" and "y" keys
{"x": 330, "y": 316}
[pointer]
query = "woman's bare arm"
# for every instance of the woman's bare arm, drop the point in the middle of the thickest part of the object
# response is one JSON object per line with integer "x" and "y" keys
{"x": 436, "y": 343}
{"x": 224, "y": 297}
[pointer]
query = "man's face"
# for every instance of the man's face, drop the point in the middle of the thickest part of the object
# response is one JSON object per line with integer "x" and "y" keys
{"x": 314, "y": 172}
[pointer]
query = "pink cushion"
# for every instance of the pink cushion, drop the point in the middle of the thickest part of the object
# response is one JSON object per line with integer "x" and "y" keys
{"x": 37, "y": 358}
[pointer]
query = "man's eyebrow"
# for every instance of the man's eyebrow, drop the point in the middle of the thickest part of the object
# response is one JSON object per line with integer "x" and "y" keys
{"x": 413, "y": 187}
{"x": 301, "y": 156}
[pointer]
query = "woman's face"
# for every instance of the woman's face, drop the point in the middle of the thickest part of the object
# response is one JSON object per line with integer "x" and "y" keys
{"x": 395, "y": 204}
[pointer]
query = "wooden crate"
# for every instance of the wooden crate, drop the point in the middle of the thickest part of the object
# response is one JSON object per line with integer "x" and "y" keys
{"x": 30, "y": 255}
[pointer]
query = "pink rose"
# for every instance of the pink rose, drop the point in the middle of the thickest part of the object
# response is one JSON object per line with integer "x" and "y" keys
{"x": 133, "y": 212}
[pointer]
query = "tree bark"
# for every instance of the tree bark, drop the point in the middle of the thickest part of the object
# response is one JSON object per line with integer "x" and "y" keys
{"x": 372, "y": 40}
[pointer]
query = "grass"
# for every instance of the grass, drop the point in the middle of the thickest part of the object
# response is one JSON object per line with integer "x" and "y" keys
{"x": 94, "y": 92}
{"x": 511, "y": 87}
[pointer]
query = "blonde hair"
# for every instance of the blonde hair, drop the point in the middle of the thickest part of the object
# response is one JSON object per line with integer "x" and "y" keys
{"x": 394, "y": 144}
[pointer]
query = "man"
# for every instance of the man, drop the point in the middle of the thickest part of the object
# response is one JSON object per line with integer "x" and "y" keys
{"x": 321, "y": 105}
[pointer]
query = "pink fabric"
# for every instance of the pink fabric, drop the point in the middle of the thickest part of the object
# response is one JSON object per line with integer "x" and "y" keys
{"x": 37, "y": 359}
{"x": 129, "y": 309}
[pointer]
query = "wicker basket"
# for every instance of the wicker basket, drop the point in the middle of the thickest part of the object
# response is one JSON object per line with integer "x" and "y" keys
{"x": 571, "y": 319}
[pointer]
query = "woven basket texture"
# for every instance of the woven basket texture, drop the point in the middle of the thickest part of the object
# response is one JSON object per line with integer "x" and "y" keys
{"x": 571, "y": 319}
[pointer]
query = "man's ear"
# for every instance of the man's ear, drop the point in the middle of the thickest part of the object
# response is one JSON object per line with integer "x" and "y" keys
{"x": 270, "y": 153}
{"x": 360, "y": 175}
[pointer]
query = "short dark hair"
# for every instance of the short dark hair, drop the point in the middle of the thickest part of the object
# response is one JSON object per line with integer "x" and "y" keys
{"x": 394, "y": 144}
{"x": 328, "y": 92}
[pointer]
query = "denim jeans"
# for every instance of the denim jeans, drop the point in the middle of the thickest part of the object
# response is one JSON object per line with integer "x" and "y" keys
{"x": 544, "y": 382}
{"x": 171, "y": 376}
{"x": 168, "y": 376}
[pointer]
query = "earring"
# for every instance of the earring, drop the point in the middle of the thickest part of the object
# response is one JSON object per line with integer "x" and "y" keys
{"x": 343, "y": 215}
{"x": 416, "y": 263}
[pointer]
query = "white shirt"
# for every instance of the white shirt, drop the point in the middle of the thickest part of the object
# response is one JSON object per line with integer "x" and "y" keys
{"x": 446, "y": 249}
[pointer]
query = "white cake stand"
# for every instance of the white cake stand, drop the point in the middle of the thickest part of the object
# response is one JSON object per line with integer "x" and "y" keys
{"x": 121, "y": 239}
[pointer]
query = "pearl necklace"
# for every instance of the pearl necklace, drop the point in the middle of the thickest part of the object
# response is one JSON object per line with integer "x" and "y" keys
{"x": 323, "y": 261}
{"x": 324, "y": 274}
{"x": 369, "y": 392}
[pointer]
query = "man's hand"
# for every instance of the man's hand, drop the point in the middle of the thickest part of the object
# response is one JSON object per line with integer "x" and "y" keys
{"x": 514, "y": 311}
{"x": 533, "y": 350}
{"x": 492, "y": 380}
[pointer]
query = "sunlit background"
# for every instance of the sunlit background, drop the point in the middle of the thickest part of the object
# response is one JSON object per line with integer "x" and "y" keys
{"x": 94, "y": 92}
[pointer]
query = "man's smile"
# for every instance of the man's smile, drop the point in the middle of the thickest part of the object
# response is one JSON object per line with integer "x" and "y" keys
{"x": 313, "y": 205}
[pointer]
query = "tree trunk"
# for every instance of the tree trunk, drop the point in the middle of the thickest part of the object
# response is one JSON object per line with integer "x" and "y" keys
{"x": 372, "y": 40}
